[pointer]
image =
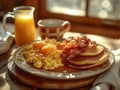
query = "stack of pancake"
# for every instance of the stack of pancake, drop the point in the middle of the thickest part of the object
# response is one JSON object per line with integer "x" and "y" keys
{"x": 90, "y": 58}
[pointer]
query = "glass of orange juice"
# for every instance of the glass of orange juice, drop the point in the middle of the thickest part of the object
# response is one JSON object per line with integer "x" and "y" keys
{"x": 24, "y": 31}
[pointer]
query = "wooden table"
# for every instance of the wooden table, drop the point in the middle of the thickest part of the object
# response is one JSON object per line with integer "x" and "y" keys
{"x": 6, "y": 83}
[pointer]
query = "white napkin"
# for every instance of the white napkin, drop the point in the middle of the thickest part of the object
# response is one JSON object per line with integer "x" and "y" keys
{"x": 110, "y": 80}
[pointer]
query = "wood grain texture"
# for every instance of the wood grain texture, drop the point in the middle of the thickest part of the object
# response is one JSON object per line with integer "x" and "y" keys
{"x": 37, "y": 82}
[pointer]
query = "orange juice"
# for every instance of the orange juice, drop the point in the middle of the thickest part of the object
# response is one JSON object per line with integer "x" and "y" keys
{"x": 24, "y": 29}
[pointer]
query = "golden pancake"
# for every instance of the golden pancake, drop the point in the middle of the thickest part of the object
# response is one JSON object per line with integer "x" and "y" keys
{"x": 92, "y": 50}
{"x": 89, "y": 66}
{"x": 88, "y": 60}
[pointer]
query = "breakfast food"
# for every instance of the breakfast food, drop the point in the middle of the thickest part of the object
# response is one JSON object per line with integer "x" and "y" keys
{"x": 82, "y": 53}
{"x": 74, "y": 52}
{"x": 43, "y": 54}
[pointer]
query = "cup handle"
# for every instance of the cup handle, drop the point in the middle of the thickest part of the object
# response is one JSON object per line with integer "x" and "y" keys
{"x": 67, "y": 25}
{"x": 9, "y": 14}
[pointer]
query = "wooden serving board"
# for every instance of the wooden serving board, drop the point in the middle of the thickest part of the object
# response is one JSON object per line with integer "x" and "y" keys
{"x": 43, "y": 83}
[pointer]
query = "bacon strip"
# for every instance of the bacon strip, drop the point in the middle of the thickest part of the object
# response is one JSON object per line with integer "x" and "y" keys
{"x": 74, "y": 46}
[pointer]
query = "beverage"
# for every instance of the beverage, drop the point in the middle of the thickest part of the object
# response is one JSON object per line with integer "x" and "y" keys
{"x": 53, "y": 28}
{"x": 24, "y": 29}
{"x": 24, "y": 24}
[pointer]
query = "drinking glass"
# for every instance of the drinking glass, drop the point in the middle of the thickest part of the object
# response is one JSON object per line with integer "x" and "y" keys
{"x": 24, "y": 30}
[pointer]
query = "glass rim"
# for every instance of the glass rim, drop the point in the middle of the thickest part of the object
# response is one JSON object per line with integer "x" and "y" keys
{"x": 41, "y": 22}
{"x": 24, "y": 8}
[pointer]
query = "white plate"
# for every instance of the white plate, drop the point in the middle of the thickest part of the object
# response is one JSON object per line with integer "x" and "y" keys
{"x": 21, "y": 63}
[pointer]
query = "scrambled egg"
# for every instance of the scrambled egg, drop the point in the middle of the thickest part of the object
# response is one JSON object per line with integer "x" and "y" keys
{"x": 43, "y": 54}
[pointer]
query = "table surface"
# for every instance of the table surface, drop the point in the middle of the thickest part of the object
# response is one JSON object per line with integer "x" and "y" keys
{"x": 6, "y": 83}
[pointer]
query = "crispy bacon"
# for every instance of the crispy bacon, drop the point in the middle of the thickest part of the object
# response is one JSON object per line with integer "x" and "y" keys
{"x": 74, "y": 46}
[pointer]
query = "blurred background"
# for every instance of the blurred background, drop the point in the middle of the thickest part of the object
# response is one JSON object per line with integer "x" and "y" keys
{"x": 99, "y": 17}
